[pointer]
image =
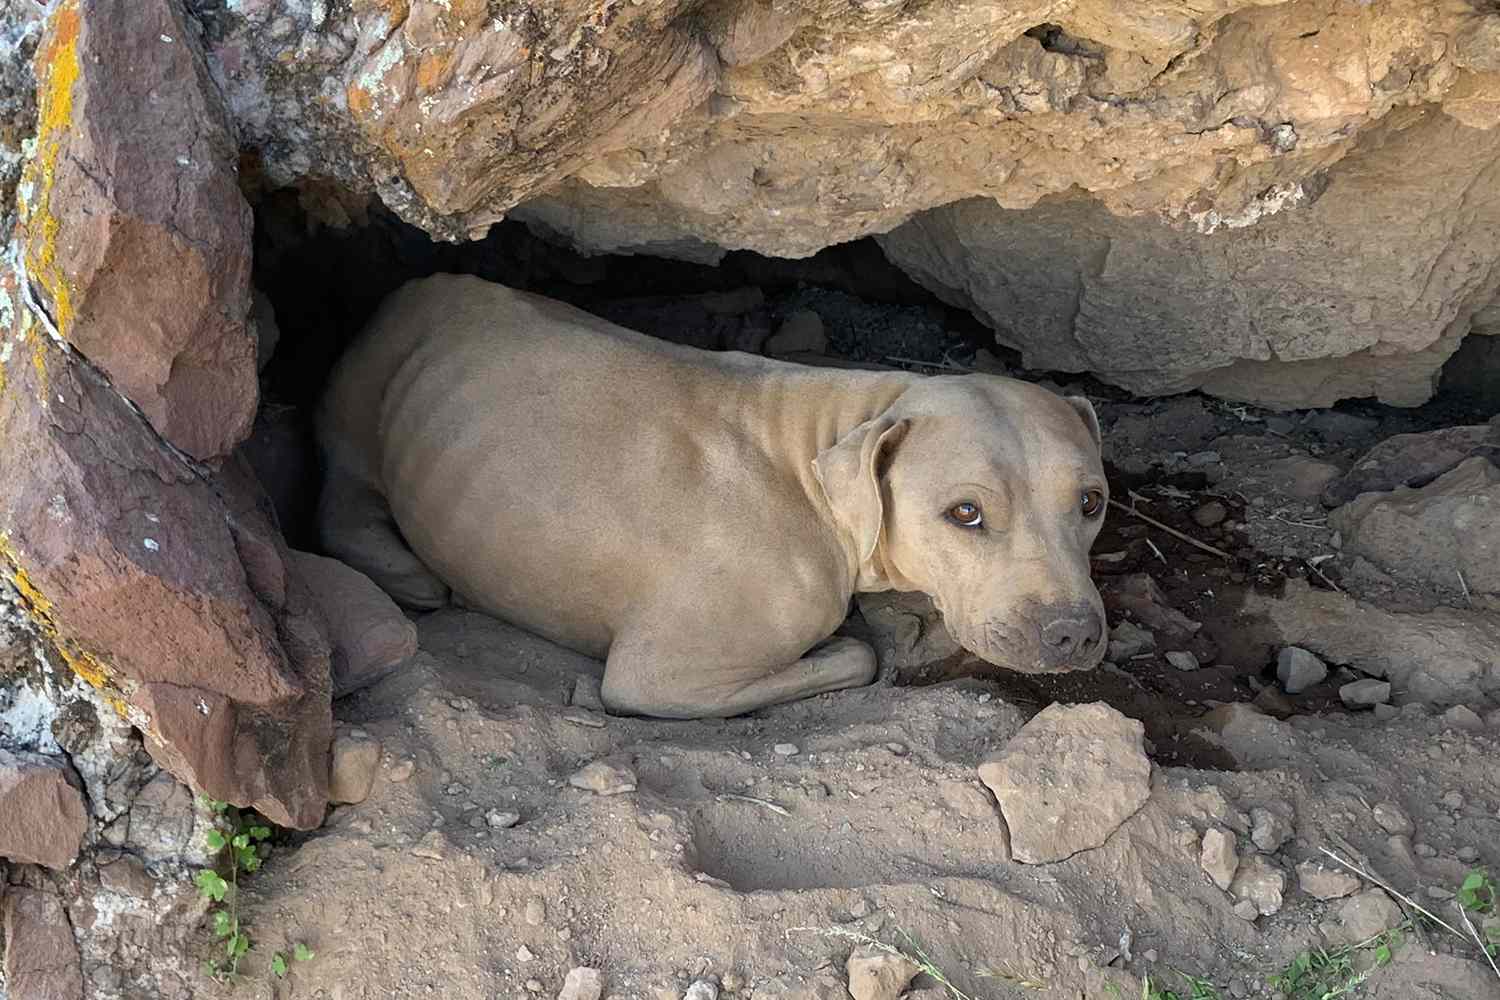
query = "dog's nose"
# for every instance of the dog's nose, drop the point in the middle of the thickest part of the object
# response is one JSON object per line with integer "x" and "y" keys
{"x": 1072, "y": 636}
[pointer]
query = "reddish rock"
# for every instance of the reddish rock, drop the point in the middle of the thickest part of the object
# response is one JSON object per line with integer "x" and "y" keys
{"x": 135, "y": 229}
{"x": 42, "y": 815}
{"x": 41, "y": 958}
{"x": 163, "y": 586}
{"x": 370, "y": 635}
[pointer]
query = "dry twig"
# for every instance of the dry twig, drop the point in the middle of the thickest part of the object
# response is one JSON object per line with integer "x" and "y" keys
{"x": 1180, "y": 536}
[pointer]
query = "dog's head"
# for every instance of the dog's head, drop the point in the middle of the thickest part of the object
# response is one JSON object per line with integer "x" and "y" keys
{"x": 985, "y": 493}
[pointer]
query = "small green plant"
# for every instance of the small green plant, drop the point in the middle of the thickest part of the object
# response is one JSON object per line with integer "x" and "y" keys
{"x": 1320, "y": 974}
{"x": 246, "y": 849}
{"x": 1198, "y": 989}
{"x": 301, "y": 953}
{"x": 1478, "y": 893}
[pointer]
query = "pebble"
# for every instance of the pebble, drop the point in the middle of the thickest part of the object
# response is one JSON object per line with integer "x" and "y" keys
{"x": 1325, "y": 883}
{"x": 604, "y": 778}
{"x": 786, "y": 750}
{"x": 535, "y": 912}
{"x": 1454, "y": 801}
{"x": 1182, "y": 659}
{"x": 533, "y": 985}
{"x": 1260, "y": 883}
{"x": 429, "y": 847}
{"x": 524, "y": 954}
{"x": 1210, "y": 514}
{"x": 1385, "y": 713}
{"x": 1218, "y": 858}
{"x": 352, "y": 768}
{"x": 1391, "y": 819}
{"x": 498, "y": 820}
{"x": 582, "y": 983}
{"x": 1246, "y": 910}
{"x": 702, "y": 989}
{"x": 879, "y": 975}
{"x": 1269, "y": 829}
{"x": 402, "y": 770}
{"x": 1438, "y": 893}
{"x": 1424, "y": 849}
{"x": 1463, "y": 717}
{"x": 1364, "y": 693}
{"x": 1468, "y": 854}
{"x": 1128, "y": 639}
{"x": 1298, "y": 669}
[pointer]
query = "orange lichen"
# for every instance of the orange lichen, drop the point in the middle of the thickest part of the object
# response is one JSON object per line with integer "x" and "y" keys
{"x": 432, "y": 71}
{"x": 57, "y": 74}
{"x": 40, "y": 610}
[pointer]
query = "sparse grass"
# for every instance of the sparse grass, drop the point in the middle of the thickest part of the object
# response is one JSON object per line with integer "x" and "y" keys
{"x": 913, "y": 953}
{"x": 246, "y": 846}
{"x": 1198, "y": 989}
{"x": 1321, "y": 974}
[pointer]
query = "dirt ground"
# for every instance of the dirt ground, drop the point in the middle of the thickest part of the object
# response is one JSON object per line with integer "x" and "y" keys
{"x": 753, "y": 854}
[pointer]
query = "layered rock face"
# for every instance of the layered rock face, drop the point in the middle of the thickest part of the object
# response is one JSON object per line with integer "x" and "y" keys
{"x": 1287, "y": 203}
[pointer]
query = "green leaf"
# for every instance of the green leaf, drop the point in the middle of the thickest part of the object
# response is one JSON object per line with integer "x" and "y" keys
{"x": 211, "y": 885}
{"x": 1383, "y": 954}
{"x": 239, "y": 945}
{"x": 240, "y": 840}
{"x": 251, "y": 863}
{"x": 303, "y": 953}
{"x": 259, "y": 832}
{"x": 215, "y": 840}
{"x": 223, "y": 925}
{"x": 1473, "y": 881}
{"x": 278, "y": 965}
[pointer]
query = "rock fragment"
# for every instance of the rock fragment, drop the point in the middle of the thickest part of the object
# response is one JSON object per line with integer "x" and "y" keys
{"x": 1183, "y": 660}
{"x": 1128, "y": 639}
{"x": 161, "y": 819}
{"x": 1325, "y": 883}
{"x": 1068, "y": 780}
{"x": 352, "y": 768}
{"x": 582, "y": 983}
{"x": 604, "y": 778}
{"x": 42, "y": 814}
{"x": 1365, "y": 693}
{"x": 1218, "y": 858}
{"x": 878, "y": 975}
{"x": 1210, "y": 514}
{"x": 1260, "y": 882}
{"x": 1298, "y": 669}
{"x": 1465, "y": 718}
{"x": 41, "y": 957}
{"x": 1269, "y": 829}
{"x": 1367, "y": 914}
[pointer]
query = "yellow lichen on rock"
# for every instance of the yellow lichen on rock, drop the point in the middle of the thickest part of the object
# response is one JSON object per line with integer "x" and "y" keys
{"x": 57, "y": 73}
{"x": 40, "y": 610}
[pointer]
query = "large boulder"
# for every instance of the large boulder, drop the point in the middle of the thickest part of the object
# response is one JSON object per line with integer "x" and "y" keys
{"x": 1299, "y": 308}
{"x": 135, "y": 232}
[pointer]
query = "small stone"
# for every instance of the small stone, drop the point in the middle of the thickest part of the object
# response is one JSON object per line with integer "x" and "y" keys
{"x": 702, "y": 989}
{"x": 588, "y": 720}
{"x": 732, "y": 982}
{"x": 582, "y": 983}
{"x": 431, "y": 846}
{"x": 1391, "y": 819}
{"x": 1438, "y": 893}
{"x": 127, "y": 876}
{"x": 1261, "y": 883}
{"x": 535, "y": 913}
{"x": 1325, "y": 883}
{"x": 587, "y": 694}
{"x": 1210, "y": 514}
{"x": 1218, "y": 858}
{"x": 1365, "y": 692}
{"x": 786, "y": 750}
{"x": 352, "y": 766}
{"x": 1246, "y": 910}
{"x": 1454, "y": 800}
{"x": 1269, "y": 829}
{"x": 524, "y": 954}
{"x": 1128, "y": 639}
{"x": 604, "y": 778}
{"x": 1465, "y": 718}
{"x": 1298, "y": 669}
{"x": 1367, "y": 914}
{"x": 1422, "y": 849}
{"x": 1182, "y": 659}
{"x": 401, "y": 770}
{"x": 1385, "y": 713}
{"x": 1468, "y": 854}
{"x": 533, "y": 985}
{"x": 497, "y": 820}
{"x": 1069, "y": 779}
{"x": 879, "y": 975}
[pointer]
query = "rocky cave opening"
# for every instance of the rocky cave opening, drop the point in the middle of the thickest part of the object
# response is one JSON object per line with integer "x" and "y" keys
{"x": 323, "y": 262}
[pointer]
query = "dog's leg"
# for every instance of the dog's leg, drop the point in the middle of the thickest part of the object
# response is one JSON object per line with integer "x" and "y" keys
{"x": 355, "y": 525}
{"x": 639, "y": 683}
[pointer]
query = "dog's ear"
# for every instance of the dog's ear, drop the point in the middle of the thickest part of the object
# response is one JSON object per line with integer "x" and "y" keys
{"x": 850, "y": 472}
{"x": 1085, "y": 409}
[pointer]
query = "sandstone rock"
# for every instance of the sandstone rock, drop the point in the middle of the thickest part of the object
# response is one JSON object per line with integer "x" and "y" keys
{"x": 967, "y": 800}
{"x": 1301, "y": 477}
{"x": 1325, "y": 883}
{"x": 42, "y": 815}
{"x": 152, "y": 577}
{"x": 135, "y": 229}
{"x": 604, "y": 778}
{"x": 879, "y": 975}
{"x": 1435, "y": 533}
{"x": 906, "y": 631}
{"x": 582, "y": 983}
{"x": 1260, "y": 882}
{"x": 41, "y": 958}
{"x": 1068, "y": 780}
{"x": 1392, "y": 819}
{"x": 1218, "y": 858}
{"x": 1269, "y": 829}
{"x": 1128, "y": 639}
{"x": 1367, "y": 914}
{"x": 1155, "y": 307}
{"x": 1298, "y": 670}
{"x": 1412, "y": 460}
{"x": 353, "y": 765}
{"x": 1365, "y": 692}
{"x": 370, "y": 636}
{"x": 1465, "y": 718}
{"x": 161, "y": 819}
{"x": 801, "y": 331}
{"x": 127, "y": 876}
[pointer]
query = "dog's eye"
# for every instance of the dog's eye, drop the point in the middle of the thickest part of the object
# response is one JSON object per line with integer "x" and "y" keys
{"x": 966, "y": 514}
{"x": 1092, "y": 503}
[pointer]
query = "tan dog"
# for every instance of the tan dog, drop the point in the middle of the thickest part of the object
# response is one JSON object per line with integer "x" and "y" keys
{"x": 701, "y": 519}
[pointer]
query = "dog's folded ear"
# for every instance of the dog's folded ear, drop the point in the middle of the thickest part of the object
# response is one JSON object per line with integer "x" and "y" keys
{"x": 850, "y": 472}
{"x": 1090, "y": 418}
